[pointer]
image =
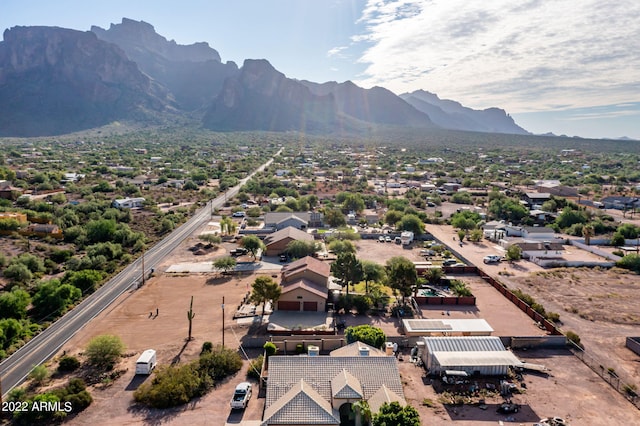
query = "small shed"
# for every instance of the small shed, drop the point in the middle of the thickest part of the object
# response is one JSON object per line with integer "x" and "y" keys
{"x": 433, "y": 345}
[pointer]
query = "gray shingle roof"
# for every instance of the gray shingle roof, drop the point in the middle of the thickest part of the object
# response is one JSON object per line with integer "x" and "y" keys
{"x": 384, "y": 395}
{"x": 300, "y": 405}
{"x": 372, "y": 372}
{"x": 345, "y": 386}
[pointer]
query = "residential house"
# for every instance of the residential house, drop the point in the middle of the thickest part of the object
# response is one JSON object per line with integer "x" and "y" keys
{"x": 277, "y": 242}
{"x": 300, "y": 220}
{"x": 541, "y": 250}
{"x": 530, "y": 232}
{"x": 128, "y": 203}
{"x": 305, "y": 285}
{"x": 536, "y": 199}
{"x": 8, "y": 191}
{"x": 44, "y": 230}
{"x": 321, "y": 390}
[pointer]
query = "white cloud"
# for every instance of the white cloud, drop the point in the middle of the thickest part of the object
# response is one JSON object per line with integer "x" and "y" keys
{"x": 336, "y": 51}
{"x": 533, "y": 56}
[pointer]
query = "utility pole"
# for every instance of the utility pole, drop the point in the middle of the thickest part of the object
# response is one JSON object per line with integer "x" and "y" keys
{"x": 222, "y": 321}
{"x": 143, "y": 267}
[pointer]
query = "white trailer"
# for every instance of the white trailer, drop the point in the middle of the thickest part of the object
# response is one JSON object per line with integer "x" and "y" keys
{"x": 146, "y": 362}
{"x": 406, "y": 237}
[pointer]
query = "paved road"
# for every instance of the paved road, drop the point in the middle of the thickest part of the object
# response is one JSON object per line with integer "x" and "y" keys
{"x": 15, "y": 369}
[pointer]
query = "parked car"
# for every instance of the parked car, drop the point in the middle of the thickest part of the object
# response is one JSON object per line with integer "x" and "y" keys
{"x": 381, "y": 239}
{"x": 241, "y": 396}
{"x": 284, "y": 258}
{"x": 492, "y": 258}
{"x": 238, "y": 214}
{"x": 449, "y": 262}
{"x": 387, "y": 239}
{"x": 240, "y": 251}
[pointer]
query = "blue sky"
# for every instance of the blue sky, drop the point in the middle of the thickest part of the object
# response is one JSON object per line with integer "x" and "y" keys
{"x": 564, "y": 66}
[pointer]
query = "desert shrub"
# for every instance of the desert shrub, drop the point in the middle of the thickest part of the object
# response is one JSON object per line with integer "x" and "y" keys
{"x": 553, "y": 316}
{"x": 630, "y": 262}
{"x": 39, "y": 374}
{"x": 270, "y": 348}
{"x": 574, "y": 338}
{"x": 255, "y": 367}
{"x": 219, "y": 363}
{"x": 206, "y": 347}
{"x": 68, "y": 363}
{"x": 460, "y": 289}
{"x": 104, "y": 351}
{"x": 172, "y": 386}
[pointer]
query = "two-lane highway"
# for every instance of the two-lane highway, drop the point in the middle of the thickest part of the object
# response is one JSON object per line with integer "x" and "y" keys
{"x": 15, "y": 368}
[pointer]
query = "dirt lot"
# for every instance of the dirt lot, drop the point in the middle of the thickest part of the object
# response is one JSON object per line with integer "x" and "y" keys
{"x": 571, "y": 391}
{"x": 600, "y": 306}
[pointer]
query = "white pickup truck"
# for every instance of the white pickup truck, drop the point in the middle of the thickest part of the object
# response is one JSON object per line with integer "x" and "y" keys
{"x": 241, "y": 396}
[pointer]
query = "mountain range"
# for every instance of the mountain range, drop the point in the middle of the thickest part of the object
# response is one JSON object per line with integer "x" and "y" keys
{"x": 55, "y": 80}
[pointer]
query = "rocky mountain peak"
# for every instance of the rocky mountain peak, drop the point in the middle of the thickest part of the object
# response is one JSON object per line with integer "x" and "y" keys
{"x": 131, "y": 34}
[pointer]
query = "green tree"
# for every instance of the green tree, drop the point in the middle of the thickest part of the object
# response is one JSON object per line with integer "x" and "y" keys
{"x": 104, "y": 351}
{"x": 252, "y": 243}
{"x": 569, "y": 217}
{"x": 18, "y": 273}
{"x": 365, "y": 333}
{"x": 514, "y": 252}
{"x": 617, "y": 240}
{"x": 263, "y": 290}
{"x": 334, "y": 218}
{"x": 392, "y": 217}
{"x": 465, "y": 220}
{"x": 225, "y": 264}
{"x": 352, "y": 202}
{"x": 476, "y": 235}
{"x": 402, "y": 275}
{"x": 433, "y": 275}
{"x": 298, "y": 249}
{"x": 101, "y": 230}
{"x": 372, "y": 271}
{"x": 53, "y": 298}
{"x": 341, "y": 246}
{"x": 347, "y": 269}
{"x": 394, "y": 414}
{"x": 461, "y": 197}
{"x": 411, "y": 222}
{"x": 13, "y": 304}
{"x": 86, "y": 280}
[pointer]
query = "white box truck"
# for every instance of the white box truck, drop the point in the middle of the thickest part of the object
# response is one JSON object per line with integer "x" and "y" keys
{"x": 146, "y": 362}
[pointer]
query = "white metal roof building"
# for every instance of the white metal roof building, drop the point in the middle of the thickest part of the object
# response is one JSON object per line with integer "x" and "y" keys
{"x": 447, "y": 327}
{"x": 484, "y": 355}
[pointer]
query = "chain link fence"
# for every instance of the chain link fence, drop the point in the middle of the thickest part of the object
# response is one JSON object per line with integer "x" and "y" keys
{"x": 615, "y": 379}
